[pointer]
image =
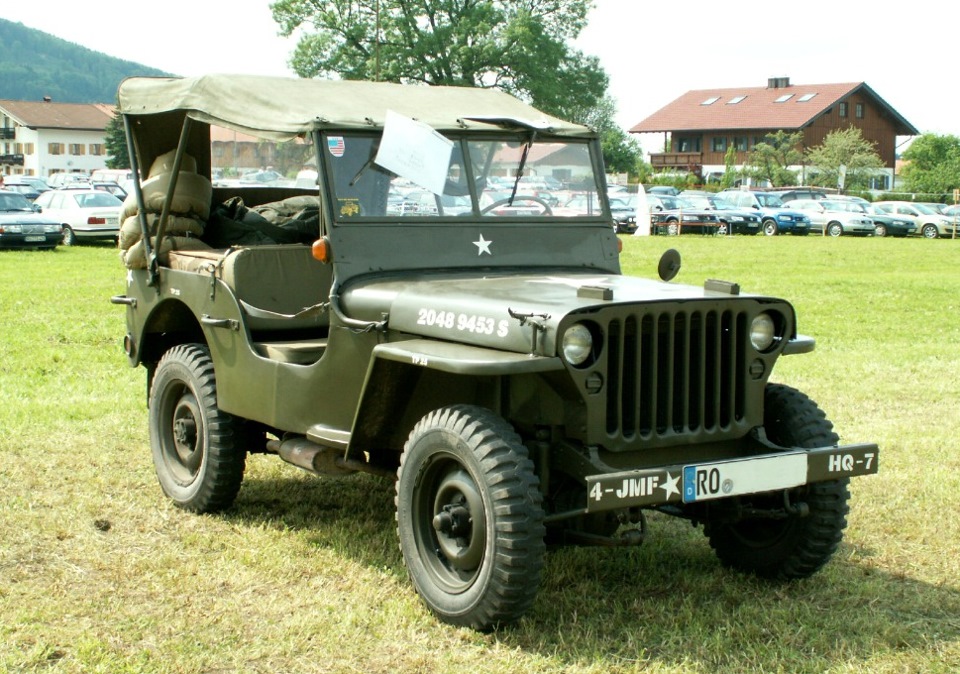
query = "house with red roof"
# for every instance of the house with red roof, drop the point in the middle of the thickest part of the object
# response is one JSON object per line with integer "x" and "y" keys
{"x": 701, "y": 125}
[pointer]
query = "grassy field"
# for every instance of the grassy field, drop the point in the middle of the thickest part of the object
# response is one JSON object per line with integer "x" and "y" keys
{"x": 99, "y": 573}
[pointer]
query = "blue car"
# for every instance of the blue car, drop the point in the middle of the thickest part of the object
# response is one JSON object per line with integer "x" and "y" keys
{"x": 777, "y": 217}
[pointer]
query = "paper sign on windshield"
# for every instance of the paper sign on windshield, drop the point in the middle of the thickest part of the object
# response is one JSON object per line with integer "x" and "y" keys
{"x": 415, "y": 151}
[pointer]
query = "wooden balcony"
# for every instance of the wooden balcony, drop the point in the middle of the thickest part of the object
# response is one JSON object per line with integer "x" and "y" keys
{"x": 8, "y": 133}
{"x": 678, "y": 161}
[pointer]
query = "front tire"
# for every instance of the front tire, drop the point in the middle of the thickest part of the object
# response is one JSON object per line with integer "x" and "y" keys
{"x": 770, "y": 228}
{"x": 197, "y": 450}
{"x": 879, "y": 230}
{"x": 469, "y": 517}
{"x": 835, "y": 229}
{"x": 794, "y": 547}
{"x": 930, "y": 232}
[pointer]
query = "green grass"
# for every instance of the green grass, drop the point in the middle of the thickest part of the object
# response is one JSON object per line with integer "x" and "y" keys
{"x": 99, "y": 573}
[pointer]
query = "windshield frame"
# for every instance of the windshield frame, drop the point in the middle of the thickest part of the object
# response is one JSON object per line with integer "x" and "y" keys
{"x": 471, "y": 186}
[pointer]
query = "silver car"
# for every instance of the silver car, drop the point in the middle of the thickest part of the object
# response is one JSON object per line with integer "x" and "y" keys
{"x": 835, "y": 218}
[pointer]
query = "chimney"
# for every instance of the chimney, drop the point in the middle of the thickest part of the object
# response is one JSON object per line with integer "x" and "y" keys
{"x": 778, "y": 83}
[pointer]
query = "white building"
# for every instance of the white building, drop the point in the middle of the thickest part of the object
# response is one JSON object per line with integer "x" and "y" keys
{"x": 40, "y": 138}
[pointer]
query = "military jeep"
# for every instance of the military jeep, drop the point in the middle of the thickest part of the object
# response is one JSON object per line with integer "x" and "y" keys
{"x": 479, "y": 345}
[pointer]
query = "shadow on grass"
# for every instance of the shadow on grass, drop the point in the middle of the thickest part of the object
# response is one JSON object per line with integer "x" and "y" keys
{"x": 668, "y": 603}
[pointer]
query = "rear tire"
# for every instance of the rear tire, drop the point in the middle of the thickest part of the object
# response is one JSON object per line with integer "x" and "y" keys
{"x": 469, "y": 517}
{"x": 198, "y": 452}
{"x": 795, "y": 547}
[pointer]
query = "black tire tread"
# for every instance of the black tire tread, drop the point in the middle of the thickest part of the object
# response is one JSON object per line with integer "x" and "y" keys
{"x": 519, "y": 530}
{"x": 225, "y": 459}
{"x": 793, "y": 419}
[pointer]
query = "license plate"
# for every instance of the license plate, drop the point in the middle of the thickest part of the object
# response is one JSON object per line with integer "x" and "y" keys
{"x": 733, "y": 478}
{"x": 34, "y": 239}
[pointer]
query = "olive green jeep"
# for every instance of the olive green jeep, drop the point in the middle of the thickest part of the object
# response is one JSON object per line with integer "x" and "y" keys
{"x": 438, "y": 299}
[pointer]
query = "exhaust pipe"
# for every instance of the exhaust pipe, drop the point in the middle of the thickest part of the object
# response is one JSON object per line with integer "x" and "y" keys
{"x": 311, "y": 457}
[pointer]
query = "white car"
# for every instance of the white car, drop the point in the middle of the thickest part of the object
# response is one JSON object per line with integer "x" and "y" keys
{"x": 930, "y": 224}
{"x": 833, "y": 217}
{"x": 84, "y": 214}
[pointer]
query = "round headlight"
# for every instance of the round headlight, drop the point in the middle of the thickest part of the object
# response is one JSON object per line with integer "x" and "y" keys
{"x": 577, "y": 344}
{"x": 762, "y": 332}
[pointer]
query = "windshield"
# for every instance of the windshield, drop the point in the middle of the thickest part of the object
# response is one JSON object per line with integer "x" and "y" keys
{"x": 770, "y": 200}
{"x": 14, "y": 202}
{"x": 926, "y": 210}
{"x": 501, "y": 177}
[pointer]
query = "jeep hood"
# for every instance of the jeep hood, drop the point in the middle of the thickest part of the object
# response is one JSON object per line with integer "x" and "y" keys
{"x": 500, "y": 310}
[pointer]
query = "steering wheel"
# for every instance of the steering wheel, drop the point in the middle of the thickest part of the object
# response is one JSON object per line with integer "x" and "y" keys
{"x": 500, "y": 202}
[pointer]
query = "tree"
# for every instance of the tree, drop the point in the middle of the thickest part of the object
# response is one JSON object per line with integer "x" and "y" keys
{"x": 770, "y": 158}
{"x": 115, "y": 141}
{"x": 933, "y": 164}
{"x": 621, "y": 152}
{"x": 519, "y": 46}
{"x": 730, "y": 168}
{"x": 844, "y": 148}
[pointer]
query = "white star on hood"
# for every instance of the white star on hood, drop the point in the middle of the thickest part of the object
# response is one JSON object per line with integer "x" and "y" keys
{"x": 483, "y": 246}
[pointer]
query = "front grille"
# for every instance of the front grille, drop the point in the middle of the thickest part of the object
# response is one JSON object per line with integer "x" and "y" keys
{"x": 675, "y": 373}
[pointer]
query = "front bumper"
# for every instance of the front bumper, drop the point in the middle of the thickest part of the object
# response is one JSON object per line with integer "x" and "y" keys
{"x": 694, "y": 483}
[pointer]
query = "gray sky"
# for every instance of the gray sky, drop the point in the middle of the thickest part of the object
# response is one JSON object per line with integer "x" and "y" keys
{"x": 653, "y": 52}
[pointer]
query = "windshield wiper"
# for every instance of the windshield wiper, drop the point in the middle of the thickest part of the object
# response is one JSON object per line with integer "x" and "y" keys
{"x": 523, "y": 162}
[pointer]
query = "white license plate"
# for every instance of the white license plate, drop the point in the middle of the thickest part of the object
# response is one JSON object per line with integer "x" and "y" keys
{"x": 732, "y": 478}
{"x": 34, "y": 239}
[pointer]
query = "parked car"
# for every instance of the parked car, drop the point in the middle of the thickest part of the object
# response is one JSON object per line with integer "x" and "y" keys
{"x": 39, "y": 184}
{"x": 21, "y": 226}
{"x": 26, "y": 189}
{"x": 930, "y": 224}
{"x": 671, "y": 214}
{"x": 834, "y": 218}
{"x": 732, "y": 218}
{"x": 890, "y": 225}
{"x": 669, "y": 190}
{"x": 775, "y": 216}
{"x": 62, "y": 179}
{"x": 85, "y": 214}
{"x": 794, "y": 193}
{"x": 624, "y": 211}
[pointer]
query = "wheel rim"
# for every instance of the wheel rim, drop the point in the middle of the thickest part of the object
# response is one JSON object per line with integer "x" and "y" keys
{"x": 930, "y": 232}
{"x": 68, "y": 237}
{"x": 835, "y": 230}
{"x": 182, "y": 437}
{"x": 880, "y": 230}
{"x": 450, "y": 523}
{"x": 769, "y": 229}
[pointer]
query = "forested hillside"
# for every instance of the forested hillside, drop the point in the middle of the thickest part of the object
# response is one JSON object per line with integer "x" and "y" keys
{"x": 34, "y": 64}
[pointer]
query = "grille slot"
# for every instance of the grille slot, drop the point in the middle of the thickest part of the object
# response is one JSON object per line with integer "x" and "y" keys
{"x": 671, "y": 373}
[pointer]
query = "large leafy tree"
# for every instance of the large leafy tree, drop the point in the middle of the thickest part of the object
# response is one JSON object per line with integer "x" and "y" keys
{"x": 844, "y": 148}
{"x": 520, "y": 46}
{"x": 769, "y": 160}
{"x": 933, "y": 164}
